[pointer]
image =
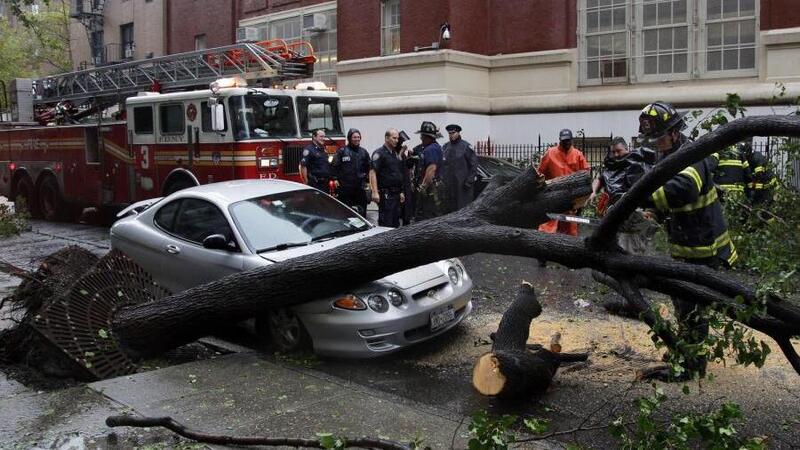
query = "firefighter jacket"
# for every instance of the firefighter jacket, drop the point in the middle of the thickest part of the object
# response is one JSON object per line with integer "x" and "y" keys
{"x": 695, "y": 225}
{"x": 732, "y": 173}
{"x": 762, "y": 180}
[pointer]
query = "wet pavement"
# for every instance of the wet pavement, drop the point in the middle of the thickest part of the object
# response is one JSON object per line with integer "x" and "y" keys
{"x": 424, "y": 390}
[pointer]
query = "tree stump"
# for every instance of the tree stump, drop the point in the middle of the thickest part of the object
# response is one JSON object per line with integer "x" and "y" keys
{"x": 514, "y": 369}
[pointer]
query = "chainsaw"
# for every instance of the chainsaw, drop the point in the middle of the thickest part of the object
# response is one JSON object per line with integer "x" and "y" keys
{"x": 575, "y": 219}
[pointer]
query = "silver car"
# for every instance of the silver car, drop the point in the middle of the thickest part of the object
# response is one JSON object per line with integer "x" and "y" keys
{"x": 203, "y": 233}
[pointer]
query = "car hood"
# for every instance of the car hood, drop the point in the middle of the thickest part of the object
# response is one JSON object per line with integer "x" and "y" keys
{"x": 404, "y": 280}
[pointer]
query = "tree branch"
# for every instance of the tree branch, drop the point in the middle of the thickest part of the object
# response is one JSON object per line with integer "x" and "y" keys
{"x": 182, "y": 430}
{"x": 724, "y": 136}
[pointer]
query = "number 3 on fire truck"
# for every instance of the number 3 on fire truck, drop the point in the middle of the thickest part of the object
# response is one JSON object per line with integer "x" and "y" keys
{"x": 145, "y": 164}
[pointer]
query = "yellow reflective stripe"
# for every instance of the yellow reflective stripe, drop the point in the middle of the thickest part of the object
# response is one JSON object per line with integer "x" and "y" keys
{"x": 731, "y": 163}
{"x": 732, "y": 187}
{"x": 746, "y": 165}
{"x": 734, "y": 256}
{"x": 660, "y": 199}
{"x": 704, "y": 251}
{"x": 715, "y": 155}
{"x": 692, "y": 173}
{"x": 702, "y": 202}
{"x": 759, "y": 169}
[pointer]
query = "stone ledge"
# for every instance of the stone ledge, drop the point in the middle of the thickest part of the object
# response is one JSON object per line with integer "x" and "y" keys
{"x": 783, "y": 36}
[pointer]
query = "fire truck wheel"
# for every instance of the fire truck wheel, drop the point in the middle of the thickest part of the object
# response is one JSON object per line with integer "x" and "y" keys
{"x": 24, "y": 193}
{"x": 50, "y": 202}
{"x": 284, "y": 329}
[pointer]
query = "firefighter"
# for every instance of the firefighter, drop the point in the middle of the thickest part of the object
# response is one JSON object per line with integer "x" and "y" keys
{"x": 762, "y": 181}
{"x": 696, "y": 228}
{"x": 429, "y": 164}
{"x": 732, "y": 174}
{"x": 386, "y": 180}
{"x": 558, "y": 161}
{"x": 459, "y": 168}
{"x": 350, "y": 166}
{"x": 315, "y": 169}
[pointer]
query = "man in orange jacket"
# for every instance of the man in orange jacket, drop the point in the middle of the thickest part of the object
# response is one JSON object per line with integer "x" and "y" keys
{"x": 558, "y": 161}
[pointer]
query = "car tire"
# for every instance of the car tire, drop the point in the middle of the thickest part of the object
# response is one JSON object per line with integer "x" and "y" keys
{"x": 285, "y": 331}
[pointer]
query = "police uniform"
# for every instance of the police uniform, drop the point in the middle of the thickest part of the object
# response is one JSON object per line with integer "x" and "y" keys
{"x": 389, "y": 168}
{"x": 459, "y": 167}
{"x": 351, "y": 167}
{"x": 732, "y": 173}
{"x": 315, "y": 160}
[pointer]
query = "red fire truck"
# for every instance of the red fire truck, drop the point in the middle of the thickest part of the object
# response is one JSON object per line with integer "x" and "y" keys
{"x": 97, "y": 138}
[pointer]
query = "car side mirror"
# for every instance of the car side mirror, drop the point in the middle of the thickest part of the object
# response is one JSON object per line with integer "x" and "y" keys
{"x": 217, "y": 115}
{"x": 216, "y": 242}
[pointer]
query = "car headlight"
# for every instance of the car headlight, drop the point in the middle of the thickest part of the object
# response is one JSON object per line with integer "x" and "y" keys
{"x": 378, "y": 303}
{"x": 396, "y": 297}
{"x": 453, "y": 274}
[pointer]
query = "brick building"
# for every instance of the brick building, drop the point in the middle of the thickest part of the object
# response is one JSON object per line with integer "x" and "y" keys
{"x": 513, "y": 69}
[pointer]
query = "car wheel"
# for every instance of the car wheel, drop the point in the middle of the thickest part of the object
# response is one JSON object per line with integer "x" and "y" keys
{"x": 285, "y": 329}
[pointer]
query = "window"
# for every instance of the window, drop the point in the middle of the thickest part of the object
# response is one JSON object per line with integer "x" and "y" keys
{"x": 126, "y": 39}
{"x": 390, "y": 27}
{"x": 260, "y": 116}
{"x": 655, "y": 40}
{"x": 171, "y": 118}
{"x": 200, "y": 42}
{"x": 165, "y": 216}
{"x": 143, "y": 120}
{"x": 199, "y": 219}
{"x": 205, "y": 117}
{"x": 319, "y": 112}
{"x": 97, "y": 44}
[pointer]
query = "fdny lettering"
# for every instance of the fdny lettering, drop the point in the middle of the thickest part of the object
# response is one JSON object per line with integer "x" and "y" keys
{"x": 171, "y": 139}
{"x": 265, "y": 176}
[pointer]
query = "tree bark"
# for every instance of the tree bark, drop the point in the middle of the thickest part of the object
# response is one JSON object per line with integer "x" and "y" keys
{"x": 512, "y": 370}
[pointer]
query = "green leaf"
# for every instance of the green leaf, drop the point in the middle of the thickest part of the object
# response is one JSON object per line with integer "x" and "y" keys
{"x": 102, "y": 333}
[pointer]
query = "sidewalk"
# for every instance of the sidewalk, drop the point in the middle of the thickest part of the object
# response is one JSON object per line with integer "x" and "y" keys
{"x": 237, "y": 394}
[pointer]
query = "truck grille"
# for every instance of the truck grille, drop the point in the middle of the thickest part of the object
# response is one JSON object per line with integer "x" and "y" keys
{"x": 291, "y": 160}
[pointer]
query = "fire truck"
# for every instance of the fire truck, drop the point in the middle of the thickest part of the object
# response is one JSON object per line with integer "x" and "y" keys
{"x": 110, "y": 136}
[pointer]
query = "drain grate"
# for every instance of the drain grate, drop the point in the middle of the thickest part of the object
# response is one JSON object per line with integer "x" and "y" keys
{"x": 79, "y": 324}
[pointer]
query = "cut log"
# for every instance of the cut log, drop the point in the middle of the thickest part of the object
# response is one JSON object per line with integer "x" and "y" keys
{"x": 512, "y": 370}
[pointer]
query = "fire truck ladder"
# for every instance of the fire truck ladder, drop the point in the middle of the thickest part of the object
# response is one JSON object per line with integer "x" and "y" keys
{"x": 267, "y": 60}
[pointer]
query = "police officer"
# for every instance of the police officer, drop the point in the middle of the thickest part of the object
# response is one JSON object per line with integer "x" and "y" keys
{"x": 696, "y": 231}
{"x": 351, "y": 166}
{"x": 428, "y": 168}
{"x": 386, "y": 180}
{"x": 315, "y": 170}
{"x": 459, "y": 167}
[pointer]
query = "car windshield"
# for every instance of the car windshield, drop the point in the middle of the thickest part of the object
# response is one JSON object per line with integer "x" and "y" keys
{"x": 278, "y": 221}
{"x": 256, "y": 116}
{"x": 319, "y": 112}
{"x": 497, "y": 167}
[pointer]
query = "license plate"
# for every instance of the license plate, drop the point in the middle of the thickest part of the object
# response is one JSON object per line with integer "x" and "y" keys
{"x": 441, "y": 317}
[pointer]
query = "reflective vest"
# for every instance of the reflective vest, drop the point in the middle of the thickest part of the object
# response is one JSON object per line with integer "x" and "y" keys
{"x": 761, "y": 178}
{"x": 732, "y": 172}
{"x": 696, "y": 226}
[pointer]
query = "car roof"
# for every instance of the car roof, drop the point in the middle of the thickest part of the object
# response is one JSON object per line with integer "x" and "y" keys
{"x": 227, "y": 192}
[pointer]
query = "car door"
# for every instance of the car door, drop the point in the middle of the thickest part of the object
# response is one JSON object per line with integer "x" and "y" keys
{"x": 187, "y": 263}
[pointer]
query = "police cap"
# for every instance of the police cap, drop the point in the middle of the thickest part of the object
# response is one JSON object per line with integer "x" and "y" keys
{"x": 565, "y": 135}
{"x": 453, "y": 127}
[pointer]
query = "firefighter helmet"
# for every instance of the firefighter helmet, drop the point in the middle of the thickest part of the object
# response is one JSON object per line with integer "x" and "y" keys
{"x": 659, "y": 118}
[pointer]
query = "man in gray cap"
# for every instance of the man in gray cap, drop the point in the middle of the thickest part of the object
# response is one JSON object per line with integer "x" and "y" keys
{"x": 459, "y": 167}
{"x": 351, "y": 166}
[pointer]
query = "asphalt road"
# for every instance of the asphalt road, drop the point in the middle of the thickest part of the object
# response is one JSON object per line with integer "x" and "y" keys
{"x": 584, "y": 397}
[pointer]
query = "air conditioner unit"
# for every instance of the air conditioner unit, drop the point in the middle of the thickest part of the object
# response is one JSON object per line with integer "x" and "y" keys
{"x": 129, "y": 52}
{"x": 315, "y": 22}
{"x": 245, "y": 34}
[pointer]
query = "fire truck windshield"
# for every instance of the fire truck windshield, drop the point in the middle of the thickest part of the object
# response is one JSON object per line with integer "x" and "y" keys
{"x": 319, "y": 112}
{"x": 262, "y": 116}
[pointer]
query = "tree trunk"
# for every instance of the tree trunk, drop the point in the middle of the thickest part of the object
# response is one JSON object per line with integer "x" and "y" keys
{"x": 512, "y": 370}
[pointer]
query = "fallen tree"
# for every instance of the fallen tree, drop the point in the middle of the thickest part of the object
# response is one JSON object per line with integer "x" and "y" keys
{"x": 502, "y": 221}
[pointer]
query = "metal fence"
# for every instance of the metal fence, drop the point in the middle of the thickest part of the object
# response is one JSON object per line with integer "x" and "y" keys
{"x": 785, "y": 163}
